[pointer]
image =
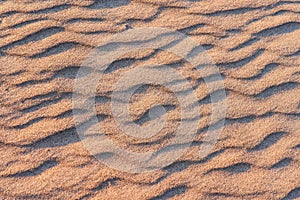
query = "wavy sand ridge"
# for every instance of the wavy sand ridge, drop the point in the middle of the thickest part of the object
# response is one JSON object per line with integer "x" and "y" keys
{"x": 255, "y": 46}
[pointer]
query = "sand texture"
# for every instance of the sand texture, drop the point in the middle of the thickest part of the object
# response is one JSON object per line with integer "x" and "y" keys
{"x": 254, "y": 43}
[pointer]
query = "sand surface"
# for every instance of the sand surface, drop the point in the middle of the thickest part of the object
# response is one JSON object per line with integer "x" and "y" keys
{"x": 254, "y": 44}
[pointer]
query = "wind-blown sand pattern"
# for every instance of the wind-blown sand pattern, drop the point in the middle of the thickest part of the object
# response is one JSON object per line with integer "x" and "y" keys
{"x": 255, "y": 45}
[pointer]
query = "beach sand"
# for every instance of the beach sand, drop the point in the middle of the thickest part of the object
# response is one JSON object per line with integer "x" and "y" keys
{"x": 254, "y": 44}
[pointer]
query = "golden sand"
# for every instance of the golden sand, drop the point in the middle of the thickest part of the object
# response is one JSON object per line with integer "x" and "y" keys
{"x": 254, "y": 44}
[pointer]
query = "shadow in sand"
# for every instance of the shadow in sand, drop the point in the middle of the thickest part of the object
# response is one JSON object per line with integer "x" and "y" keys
{"x": 108, "y": 4}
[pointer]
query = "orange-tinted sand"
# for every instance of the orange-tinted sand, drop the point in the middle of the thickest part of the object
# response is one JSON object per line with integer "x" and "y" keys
{"x": 255, "y": 45}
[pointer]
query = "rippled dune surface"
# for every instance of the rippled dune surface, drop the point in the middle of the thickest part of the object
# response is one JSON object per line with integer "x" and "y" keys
{"x": 254, "y": 44}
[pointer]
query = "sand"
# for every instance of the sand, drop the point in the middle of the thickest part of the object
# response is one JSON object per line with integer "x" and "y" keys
{"x": 255, "y": 46}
